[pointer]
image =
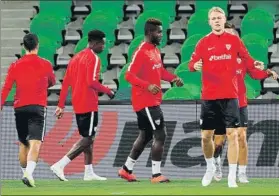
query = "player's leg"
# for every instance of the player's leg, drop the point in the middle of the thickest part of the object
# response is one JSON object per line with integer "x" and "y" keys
{"x": 23, "y": 151}
{"x": 243, "y": 146}
{"x": 232, "y": 121}
{"x": 207, "y": 123}
{"x": 157, "y": 153}
{"x": 36, "y": 128}
{"x": 144, "y": 137}
{"x": 219, "y": 141}
{"x": 142, "y": 140}
{"x": 89, "y": 173}
{"x": 155, "y": 120}
{"x": 22, "y": 131}
{"x": 85, "y": 126}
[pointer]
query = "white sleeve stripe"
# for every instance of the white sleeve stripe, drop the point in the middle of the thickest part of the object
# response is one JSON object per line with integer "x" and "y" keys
{"x": 135, "y": 54}
{"x": 95, "y": 66}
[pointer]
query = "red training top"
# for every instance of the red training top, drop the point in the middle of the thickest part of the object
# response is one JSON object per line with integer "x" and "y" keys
{"x": 241, "y": 72}
{"x": 32, "y": 76}
{"x": 83, "y": 76}
{"x": 146, "y": 68}
{"x": 218, "y": 54}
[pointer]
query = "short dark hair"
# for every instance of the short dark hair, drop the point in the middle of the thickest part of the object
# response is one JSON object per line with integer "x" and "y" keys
{"x": 96, "y": 35}
{"x": 229, "y": 25}
{"x": 30, "y": 41}
{"x": 151, "y": 25}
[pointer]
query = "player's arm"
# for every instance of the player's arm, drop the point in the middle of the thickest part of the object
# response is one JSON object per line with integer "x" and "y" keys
{"x": 64, "y": 89}
{"x": 133, "y": 70}
{"x": 93, "y": 72}
{"x": 258, "y": 74}
{"x": 245, "y": 56}
{"x": 169, "y": 77}
{"x": 196, "y": 58}
{"x": 9, "y": 81}
{"x": 51, "y": 76}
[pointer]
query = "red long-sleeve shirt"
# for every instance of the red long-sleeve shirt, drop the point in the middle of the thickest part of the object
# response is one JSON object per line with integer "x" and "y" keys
{"x": 83, "y": 76}
{"x": 32, "y": 76}
{"x": 218, "y": 54}
{"x": 146, "y": 68}
{"x": 255, "y": 73}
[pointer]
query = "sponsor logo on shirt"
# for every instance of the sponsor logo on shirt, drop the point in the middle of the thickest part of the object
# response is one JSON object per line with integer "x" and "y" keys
{"x": 221, "y": 57}
{"x": 157, "y": 66}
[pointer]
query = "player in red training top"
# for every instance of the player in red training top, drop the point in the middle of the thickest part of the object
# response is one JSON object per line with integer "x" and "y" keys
{"x": 145, "y": 73}
{"x": 82, "y": 76}
{"x": 32, "y": 77}
{"x": 220, "y": 132}
{"x": 215, "y": 55}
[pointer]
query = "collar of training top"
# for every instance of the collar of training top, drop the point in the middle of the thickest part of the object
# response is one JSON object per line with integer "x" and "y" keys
{"x": 150, "y": 45}
{"x": 215, "y": 35}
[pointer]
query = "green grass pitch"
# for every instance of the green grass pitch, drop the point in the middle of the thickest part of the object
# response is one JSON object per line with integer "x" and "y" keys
{"x": 143, "y": 187}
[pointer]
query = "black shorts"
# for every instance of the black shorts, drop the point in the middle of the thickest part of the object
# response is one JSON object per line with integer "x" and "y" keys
{"x": 215, "y": 113}
{"x": 151, "y": 118}
{"x": 30, "y": 123}
{"x": 87, "y": 123}
{"x": 243, "y": 116}
{"x": 221, "y": 129}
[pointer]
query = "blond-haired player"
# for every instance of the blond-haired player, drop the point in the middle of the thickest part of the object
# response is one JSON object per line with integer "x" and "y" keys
{"x": 215, "y": 55}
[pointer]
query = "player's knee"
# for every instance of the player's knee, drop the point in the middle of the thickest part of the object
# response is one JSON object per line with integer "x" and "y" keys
{"x": 207, "y": 136}
{"x": 232, "y": 134}
{"x": 242, "y": 137}
{"x": 35, "y": 145}
{"x": 86, "y": 141}
{"x": 88, "y": 149}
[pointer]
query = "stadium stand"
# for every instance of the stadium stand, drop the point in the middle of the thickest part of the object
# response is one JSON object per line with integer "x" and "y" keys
{"x": 62, "y": 27}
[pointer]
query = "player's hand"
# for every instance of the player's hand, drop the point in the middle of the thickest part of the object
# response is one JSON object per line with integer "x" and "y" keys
{"x": 154, "y": 89}
{"x": 112, "y": 95}
{"x": 273, "y": 74}
{"x": 178, "y": 81}
{"x": 198, "y": 65}
{"x": 59, "y": 112}
{"x": 259, "y": 65}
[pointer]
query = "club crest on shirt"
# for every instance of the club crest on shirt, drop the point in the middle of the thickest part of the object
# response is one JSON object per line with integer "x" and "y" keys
{"x": 228, "y": 46}
{"x": 238, "y": 60}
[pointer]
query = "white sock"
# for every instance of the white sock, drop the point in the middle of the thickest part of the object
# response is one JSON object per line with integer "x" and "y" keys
{"x": 156, "y": 167}
{"x": 88, "y": 169}
{"x": 242, "y": 169}
{"x": 23, "y": 169}
{"x": 218, "y": 160}
{"x": 130, "y": 163}
{"x": 209, "y": 162}
{"x": 64, "y": 161}
{"x": 232, "y": 170}
{"x": 31, "y": 165}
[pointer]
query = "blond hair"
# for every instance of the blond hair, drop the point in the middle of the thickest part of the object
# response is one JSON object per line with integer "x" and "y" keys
{"x": 216, "y": 9}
